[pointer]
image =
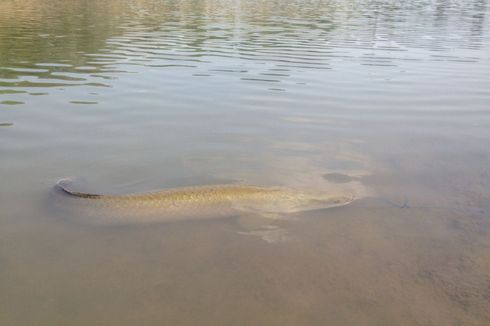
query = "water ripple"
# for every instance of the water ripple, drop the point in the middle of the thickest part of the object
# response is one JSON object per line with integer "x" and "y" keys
{"x": 242, "y": 40}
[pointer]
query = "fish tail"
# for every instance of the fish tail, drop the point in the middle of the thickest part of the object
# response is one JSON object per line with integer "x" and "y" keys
{"x": 66, "y": 184}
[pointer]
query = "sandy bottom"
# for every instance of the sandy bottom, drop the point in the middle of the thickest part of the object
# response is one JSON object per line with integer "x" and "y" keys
{"x": 364, "y": 264}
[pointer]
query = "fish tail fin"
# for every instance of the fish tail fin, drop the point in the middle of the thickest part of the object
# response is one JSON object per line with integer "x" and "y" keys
{"x": 68, "y": 185}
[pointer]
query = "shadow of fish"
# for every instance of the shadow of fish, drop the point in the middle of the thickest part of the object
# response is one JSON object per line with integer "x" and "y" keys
{"x": 189, "y": 203}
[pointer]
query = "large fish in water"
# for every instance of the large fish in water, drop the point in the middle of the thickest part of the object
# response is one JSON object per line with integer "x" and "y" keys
{"x": 187, "y": 203}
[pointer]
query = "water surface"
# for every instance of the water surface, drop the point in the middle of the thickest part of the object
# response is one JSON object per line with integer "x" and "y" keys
{"x": 387, "y": 100}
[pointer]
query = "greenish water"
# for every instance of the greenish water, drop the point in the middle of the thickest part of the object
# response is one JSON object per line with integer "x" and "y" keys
{"x": 386, "y": 100}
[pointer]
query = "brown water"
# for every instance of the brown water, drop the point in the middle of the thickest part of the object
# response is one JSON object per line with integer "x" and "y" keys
{"x": 388, "y": 100}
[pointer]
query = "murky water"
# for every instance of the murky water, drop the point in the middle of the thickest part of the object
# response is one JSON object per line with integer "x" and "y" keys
{"x": 385, "y": 100}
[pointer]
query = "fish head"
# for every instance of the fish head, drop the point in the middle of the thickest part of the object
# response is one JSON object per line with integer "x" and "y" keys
{"x": 285, "y": 202}
{"x": 309, "y": 201}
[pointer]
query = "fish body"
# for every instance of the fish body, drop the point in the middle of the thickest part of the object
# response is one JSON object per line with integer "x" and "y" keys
{"x": 186, "y": 203}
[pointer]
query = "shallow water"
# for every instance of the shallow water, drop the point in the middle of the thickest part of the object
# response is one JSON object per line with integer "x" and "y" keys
{"x": 386, "y": 100}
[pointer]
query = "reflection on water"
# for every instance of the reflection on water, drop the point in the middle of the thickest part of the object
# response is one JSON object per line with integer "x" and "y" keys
{"x": 386, "y": 100}
{"x": 274, "y": 45}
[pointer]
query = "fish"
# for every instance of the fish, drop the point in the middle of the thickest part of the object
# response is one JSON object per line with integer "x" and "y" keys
{"x": 191, "y": 203}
